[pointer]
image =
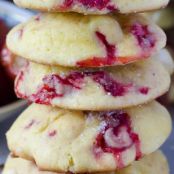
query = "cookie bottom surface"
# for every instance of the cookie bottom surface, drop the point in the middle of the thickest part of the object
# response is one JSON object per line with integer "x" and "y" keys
{"x": 151, "y": 164}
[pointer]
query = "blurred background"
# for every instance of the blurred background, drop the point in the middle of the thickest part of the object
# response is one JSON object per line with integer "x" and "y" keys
{"x": 10, "y": 64}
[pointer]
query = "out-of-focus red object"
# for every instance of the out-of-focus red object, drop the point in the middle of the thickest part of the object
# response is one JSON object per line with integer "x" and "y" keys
{"x": 3, "y": 32}
{"x": 7, "y": 94}
{"x": 11, "y": 62}
{"x": 6, "y": 89}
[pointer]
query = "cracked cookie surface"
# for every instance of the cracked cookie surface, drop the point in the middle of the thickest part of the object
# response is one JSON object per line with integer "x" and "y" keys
{"x": 86, "y": 41}
{"x": 79, "y": 141}
{"x": 93, "y": 89}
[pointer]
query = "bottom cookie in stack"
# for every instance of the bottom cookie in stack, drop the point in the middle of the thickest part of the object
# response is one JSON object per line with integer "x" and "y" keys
{"x": 151, "y": 164}
{"x": 76, "y": 141}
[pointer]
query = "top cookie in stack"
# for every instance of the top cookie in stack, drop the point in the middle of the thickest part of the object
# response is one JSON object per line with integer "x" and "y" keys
{"x": 93, "y": 6}
{"x": 76, "y": 62}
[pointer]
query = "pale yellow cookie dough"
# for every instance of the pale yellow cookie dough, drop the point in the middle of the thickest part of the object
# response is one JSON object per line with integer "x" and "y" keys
{"x": 93, "y": 7}
{"x": 150, "y": 164}
{"x": 110, "y": 88}
{"x": 63, "y": 140}
{"x": 69, "y": 39}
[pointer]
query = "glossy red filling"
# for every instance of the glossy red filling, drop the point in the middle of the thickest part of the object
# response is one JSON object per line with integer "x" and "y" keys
{"x": 54, "y": 85}
{"x": 110, "y": 85}
{"x": 145, "y": 38}
{"x": 116, "y": 136}
{"x": 144, "y": 90}
{"x": 57, "y": 86}
{"x": 95, "y": 61}
{"x": 98, "y": 4}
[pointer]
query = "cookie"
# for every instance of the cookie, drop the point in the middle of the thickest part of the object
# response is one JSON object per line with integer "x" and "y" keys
{"x": 69, "y": 39}
{"x": 93, "y": 89}
{"x": 166, "y": 58}
{"x": 11, "y": 63}
{"x": 164, "y": 17}
{"x": 65, "y": 140}
{"x": 92, "y": 7}
{"x": 156, "y": 162}
{"x": 153, "y": 163}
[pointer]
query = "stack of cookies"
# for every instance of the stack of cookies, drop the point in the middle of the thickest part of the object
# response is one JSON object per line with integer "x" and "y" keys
{"x": 93, "y": 80}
